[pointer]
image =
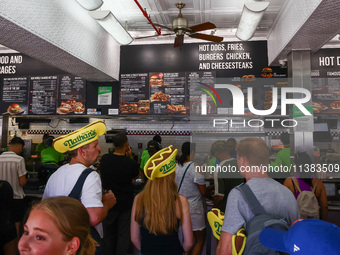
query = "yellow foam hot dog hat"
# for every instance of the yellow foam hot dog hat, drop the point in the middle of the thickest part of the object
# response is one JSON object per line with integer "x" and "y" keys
{"x": 215, "y": 218}
{"x": 161, "y": 164}
{"x": 79, "y": 137}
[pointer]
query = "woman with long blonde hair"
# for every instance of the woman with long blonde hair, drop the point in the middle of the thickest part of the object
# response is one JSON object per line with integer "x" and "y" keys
{"x": 57, "y": 225}
{"x": 158, "y": 211}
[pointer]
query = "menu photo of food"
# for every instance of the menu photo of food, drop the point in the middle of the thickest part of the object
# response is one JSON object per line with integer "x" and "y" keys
{"x": 129, "y": 108}
{"x": 71, "y": 106}
{"x": 14, "y": 109}
{"x": 176, "y": 109}
{"x": 143, "y": 107}
{"x": 267, "y": 72}
{"x": 248, "y": 77}
{"x": 160, "y": 97}
{"x": 319, "y": 107}
{"x": 196, "y": 107}
{"x": 156, "y": 79}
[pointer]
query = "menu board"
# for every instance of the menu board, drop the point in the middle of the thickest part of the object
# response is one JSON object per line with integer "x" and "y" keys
{"x": 326, "y": 95}
{"x": 15, "y": 96}
{"x": 198, "y": 82}
{"x": 72, "y": 95}
{"x": 43, "y": 94}
{"x": 325, "y": 81}
{"x": 133, "y": 97}
{"x": 181, "y": 93}
{"x": 167, "y": 93}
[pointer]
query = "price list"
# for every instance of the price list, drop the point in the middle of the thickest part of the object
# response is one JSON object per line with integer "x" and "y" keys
{"x": 43, "y": 93}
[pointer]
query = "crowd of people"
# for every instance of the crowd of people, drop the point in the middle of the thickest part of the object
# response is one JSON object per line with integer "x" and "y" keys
{"x": 95, "y": 211}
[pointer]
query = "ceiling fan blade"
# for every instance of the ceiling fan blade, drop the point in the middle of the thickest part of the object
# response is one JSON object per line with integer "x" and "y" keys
{"x": 179, "y": 40}
{"x": 211, "y": 38}
{"x": 165, "y": 27}
{"x": 203, "y": 26}
{"x": 143, "y": 37}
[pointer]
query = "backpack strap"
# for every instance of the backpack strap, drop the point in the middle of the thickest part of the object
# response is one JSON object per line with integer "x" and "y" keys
{"x": 314, "y": 188}
{"x": 296, "y": 183}
{"x": 251, "y": 199}
{"x": 75, "y": 193}
{"x": 293, "y": 185}
{"x": 180, "y": 185}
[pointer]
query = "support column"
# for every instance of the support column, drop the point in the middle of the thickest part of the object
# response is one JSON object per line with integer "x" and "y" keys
{"x": 299, "y": 75}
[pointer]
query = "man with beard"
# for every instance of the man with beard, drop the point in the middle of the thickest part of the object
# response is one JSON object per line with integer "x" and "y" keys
{"x": 83, "y": 148}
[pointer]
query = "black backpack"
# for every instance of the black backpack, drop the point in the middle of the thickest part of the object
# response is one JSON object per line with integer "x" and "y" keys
{"x": 76, "y": 194}
{"x": 260, "y": 221}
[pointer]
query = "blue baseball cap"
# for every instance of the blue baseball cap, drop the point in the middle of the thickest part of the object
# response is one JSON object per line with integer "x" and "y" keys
{"x": 309, "y": 236}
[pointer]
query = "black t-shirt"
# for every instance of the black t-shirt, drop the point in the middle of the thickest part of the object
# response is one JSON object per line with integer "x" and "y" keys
{"x": 117, "y": 173}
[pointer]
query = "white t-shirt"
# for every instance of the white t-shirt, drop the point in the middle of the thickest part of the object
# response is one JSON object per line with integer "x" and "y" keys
{"x": 63, "y": 180}
{"x": 12, "y": 167}
{"x": 189, "y": 187}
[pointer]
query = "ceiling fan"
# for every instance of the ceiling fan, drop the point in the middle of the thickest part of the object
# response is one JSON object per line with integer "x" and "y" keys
{"x": 180, "y": 28}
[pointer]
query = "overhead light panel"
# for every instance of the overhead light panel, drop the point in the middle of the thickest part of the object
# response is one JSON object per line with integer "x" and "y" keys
{"x": 90, "y": 5}
{"x": 251, "y": 16}
{"x": 112, "y": 26}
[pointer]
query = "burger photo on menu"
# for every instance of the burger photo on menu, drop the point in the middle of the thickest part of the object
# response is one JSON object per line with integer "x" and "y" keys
{"x": 160, "y": 97}
{"x": 14, "y": 109}
{"x": 143, "y": 106}
{"x": 156, "y": 80}
{"x": 128, "y": 108}
{"x": 71, "y": 106}
{"x": 267, "y": 72}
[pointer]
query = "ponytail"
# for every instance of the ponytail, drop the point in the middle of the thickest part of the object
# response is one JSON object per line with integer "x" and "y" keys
{"x": 182, "y": 159}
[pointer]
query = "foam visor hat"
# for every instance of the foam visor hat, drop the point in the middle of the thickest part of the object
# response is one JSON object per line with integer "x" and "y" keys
{"x": 309, "y": 236}
{"x": 161, "y": 163}
{"x": 216, "y": 218}
{"x": 79, "y": 137}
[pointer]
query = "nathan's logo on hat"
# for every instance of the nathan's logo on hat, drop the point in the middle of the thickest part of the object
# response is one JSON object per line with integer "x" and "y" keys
{"x": 79, "y": 137}
{"x": 161, "y": 163}
{"x": 168, "y": 167}
{"x": 215, "y": 218}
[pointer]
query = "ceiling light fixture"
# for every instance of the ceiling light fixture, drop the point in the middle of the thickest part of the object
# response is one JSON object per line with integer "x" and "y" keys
{"x": 90, "y": 5}
{"x": 112, "y": 26}
{"x": 251, "y": 16}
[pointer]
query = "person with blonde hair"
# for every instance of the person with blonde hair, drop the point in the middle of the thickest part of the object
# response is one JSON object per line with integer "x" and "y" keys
{"x": 58, "y": 225}
{"x": 158, "y": 211}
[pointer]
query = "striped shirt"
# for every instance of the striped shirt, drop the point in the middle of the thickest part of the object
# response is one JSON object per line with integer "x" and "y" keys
{"x": 12, "y": 167}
